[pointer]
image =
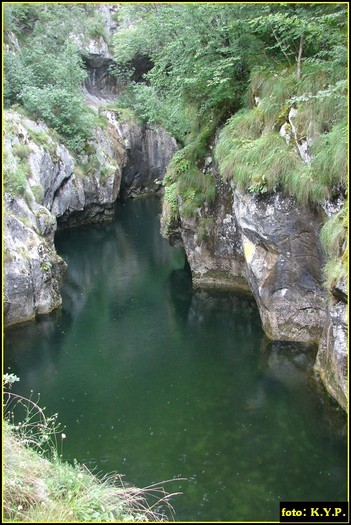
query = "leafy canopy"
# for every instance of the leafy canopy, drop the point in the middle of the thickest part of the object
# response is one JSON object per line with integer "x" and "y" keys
{"x": 44, "y": 74}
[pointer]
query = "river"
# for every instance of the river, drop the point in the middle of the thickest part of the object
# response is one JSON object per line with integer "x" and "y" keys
{"x": 158, "y": 382}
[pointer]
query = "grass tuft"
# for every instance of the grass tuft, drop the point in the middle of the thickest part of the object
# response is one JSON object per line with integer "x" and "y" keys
{"x": 334, "y": 239}
{"x": 330, "y": 157}
{"x": 40, "y": 487}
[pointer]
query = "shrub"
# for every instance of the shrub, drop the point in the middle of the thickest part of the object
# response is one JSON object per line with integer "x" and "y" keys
{"x": 16, "y": 180}
{"x": 63, "y": 111}
{"x": 21, "y": 150}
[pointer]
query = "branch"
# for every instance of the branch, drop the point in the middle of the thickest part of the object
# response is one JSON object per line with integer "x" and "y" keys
{"x": 299, "y": 57}
{"x": 281, "y": 46}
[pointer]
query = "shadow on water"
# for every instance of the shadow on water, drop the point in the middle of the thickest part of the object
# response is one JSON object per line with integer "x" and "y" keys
{"x": 158, "y": 381}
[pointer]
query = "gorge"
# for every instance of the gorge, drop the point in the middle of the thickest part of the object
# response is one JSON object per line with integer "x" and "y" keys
{"x": 241, "y": 260}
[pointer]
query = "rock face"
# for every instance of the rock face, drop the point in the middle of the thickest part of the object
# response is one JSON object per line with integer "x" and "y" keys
{"x": 149, "y": 150}
{"x": 99, "y": 82}
{"x": 56, "y": 188}
{"x": 331, "y": 362}
{"x": 32, "y": 269}
{"x": 284, "y": 261}
{"x": 100, "y": 85}
{"x": 269, "y": 245}
{"x": 212, "y": 242}
{"x": 87, "y": 199}
{"x": 60, "y": 192}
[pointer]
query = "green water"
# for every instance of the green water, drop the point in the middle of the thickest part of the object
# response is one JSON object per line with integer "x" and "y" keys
{"x": 157, "y": 382}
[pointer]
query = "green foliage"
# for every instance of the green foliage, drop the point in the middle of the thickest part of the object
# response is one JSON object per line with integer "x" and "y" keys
{"x": 205, "y": 227}
{"x": 149, "y": 105}
{"x": 39, "y": 137}
{"x": 202, "y": 68}
{"x": 46, "y": 266}
{"x": 203, "y": 54}
{"x": 123, "y": 114}
{"x": 79, "y": 171}
{"x": 38, "y": 192}
{"x": 258, "y": 185}
{"x": 186, "y": 178}
{"x": 196, "y": 188}
{"x": 21, "y": 150}
{"x": 312, "y": 30}
{"x": 333, "y": 272}
{"x": 107, "y": 171}
{"x": 20, "y": 17}
{"x": 200, "y": 55}
{"x": 49, "y": 23}
{"x": 17, "y": 74}
{"x": 96, "y": 28}
{"x": 206, "y": 61}
{"x": 334, "y": 239}
{"x": 330, "y": 157}
{"x": 16, "y": 179}
{"x": 30, "y": 423}
{"x": 250, "y": 151}
{"x": 170, "y": 211}
{"x": 45, "y": 77}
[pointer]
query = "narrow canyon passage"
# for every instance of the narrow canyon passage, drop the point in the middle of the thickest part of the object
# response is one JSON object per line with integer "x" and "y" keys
{"x": 157, "y": 381}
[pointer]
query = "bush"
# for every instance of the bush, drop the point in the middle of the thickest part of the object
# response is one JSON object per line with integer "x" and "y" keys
{"x": 21, "y": 150}
{"x": 62, "y": 111}
{"x": 16, "y": 180}
{"x": 334, "y": 239}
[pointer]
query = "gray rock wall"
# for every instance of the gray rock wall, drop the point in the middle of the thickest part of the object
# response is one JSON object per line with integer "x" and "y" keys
{"x": 56, "y": 189}
{"x": 331, "y": 362}
{"x": 212, "y": 242}
{"x": 149, "y": 150}
{"x": 32, "y": 269}
{"x": 284, "y": 262}
{"x": 269, "y": 245}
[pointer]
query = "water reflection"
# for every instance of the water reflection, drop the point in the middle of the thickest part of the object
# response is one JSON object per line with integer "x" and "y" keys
{"x": 158, "y": 381}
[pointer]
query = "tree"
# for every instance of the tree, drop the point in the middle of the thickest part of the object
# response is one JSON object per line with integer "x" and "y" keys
{"x": 46, "y": 72}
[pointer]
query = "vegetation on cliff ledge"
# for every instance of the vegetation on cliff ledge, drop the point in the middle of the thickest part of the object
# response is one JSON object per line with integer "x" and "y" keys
{"x": 274, "y": 75}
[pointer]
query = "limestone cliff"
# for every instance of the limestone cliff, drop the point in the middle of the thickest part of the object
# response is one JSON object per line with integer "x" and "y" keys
{"x": 284, "y": 261}
{"x": 212, "y": 243}
{"x": 269, "y": 245}
{"x": 149, "y": 150}
{"x": 55, "y": 188}
{"x": 47, "y": 187}
{"x": 332, "y": 357}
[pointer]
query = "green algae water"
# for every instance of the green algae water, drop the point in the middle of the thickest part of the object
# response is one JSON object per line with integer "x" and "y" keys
{"x": 160, "y": 382}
